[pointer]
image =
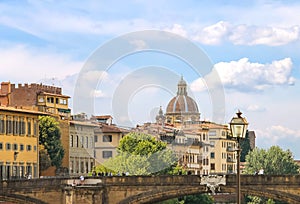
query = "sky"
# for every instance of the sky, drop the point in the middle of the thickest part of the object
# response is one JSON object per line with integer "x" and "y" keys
{"x": 125, "y": 58}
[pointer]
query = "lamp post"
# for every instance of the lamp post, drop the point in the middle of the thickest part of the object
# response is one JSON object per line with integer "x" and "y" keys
{"x": 238, "y": 127}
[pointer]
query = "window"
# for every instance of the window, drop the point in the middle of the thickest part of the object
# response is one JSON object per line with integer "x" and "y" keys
{"x": 106, "y": 154}
{"x": 28, "y": 148}
{"x": 22, "y": 126}
{"x": 15, "y": 147}
{"x": 81, "y": 141}
{"x": 28, "y": 126}
{"x": 107, "y": 138}
{"x": 56, "y": 100}
{"x": 76, "y": 141}
{"x": 9, "y": 125}
{"x": 212, "y": 166}
{"x": 21, "y": 147}
{"x": 1, "y": 146}
{"x": 2, "y": 124}
{"x": 34, "y": 148}
{"x": 71, "y": 141}
{"x": 50, "y": 99}
{"x": 96, "y": 138}
{"x": 63, "y": 101}
{"x": 86, "y": 142}
{"x": 212, "y": 155}
{"x": 35, "y": 128}
{"x": 8, "y": 146}
{"x": 16, "y": 125}
{"x": 41, "y": 99}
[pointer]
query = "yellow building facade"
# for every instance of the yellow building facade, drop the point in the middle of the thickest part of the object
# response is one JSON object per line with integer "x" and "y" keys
{"x": 107, "y": 139}
{"x": 19, "y": 132}
{"x": 222, "y": 154}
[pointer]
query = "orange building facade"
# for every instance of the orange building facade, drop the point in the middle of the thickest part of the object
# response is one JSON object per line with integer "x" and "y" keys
{"x": 19, "y": 132}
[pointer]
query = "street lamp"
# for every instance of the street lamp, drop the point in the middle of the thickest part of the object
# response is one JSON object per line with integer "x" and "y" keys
{"x": 238, "y": 127}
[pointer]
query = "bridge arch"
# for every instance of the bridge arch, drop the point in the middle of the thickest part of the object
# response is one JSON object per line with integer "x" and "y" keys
{"x": 272, "y": 194}
{"x": 21, "y": 198}
{"x": 159, "y": 195}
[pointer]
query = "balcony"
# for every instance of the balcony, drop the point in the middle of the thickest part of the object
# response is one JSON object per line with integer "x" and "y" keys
{"x": 230, "y": 160}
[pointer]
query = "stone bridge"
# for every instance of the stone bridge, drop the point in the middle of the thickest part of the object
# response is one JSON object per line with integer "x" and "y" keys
{"x": 144, "y": 189}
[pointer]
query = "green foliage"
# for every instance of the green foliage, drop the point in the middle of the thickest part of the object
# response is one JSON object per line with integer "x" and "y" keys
{"x": 49, "y": 137}
{"x": 200, "y": 198}
{"x": 44, "y": 159}
{"x": 141, "y": 154}
{"x": 140, "y": 144}
{"x": 274, "y": 161}
{"x": 176, "y": 170}
{"x": 245, "y": 146}
{"x": 191, "y": 199}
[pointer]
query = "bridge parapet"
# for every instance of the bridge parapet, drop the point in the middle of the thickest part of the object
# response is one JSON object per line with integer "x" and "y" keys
{"x": 143, "y": 189}
{"x": 164, "y": 180}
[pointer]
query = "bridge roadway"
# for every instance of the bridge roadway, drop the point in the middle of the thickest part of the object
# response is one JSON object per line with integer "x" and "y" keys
{"x": 143, "y": 189}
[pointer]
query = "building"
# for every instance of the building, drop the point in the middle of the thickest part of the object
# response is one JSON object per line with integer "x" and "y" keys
{"x": 46, "y": 100}
{"x": 19, "y": 140}
{"x": 81, "y": 148}
{"x": 37, "y": 97}
{"x": 223, "y": 154}
{"x": 106, "y": 119}
{"x": 181, "y": 108}
{"x": 202, "y": 147}
{"x": 107, "y": 138}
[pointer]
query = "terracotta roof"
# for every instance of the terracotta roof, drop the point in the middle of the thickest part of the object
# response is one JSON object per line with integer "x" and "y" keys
{"x": 86, "y": 123}
{"x": 110, "y": 128}
{"x": 102, "y": 116}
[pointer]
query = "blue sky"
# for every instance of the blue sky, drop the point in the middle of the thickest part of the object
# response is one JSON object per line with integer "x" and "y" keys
{"x": 253, "y": 46}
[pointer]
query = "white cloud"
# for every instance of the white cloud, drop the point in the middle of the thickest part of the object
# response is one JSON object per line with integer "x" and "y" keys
{"x": 240, "y": 34}
{"x": 139, "y": 44}
{"x": 198, "y": 85}
{"x": 177, "y": 29}
{"x": 243, "y": 74}
{"x": 21, "y": 62}
{"x": 213, "y": 34}
{"x": 275, "y": 133}
{"x": 263, "y": 35}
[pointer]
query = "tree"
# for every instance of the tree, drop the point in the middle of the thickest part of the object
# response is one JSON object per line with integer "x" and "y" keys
{"x": 141, "y": 154}
{"x": 44, "y": 159}
{"x": 245, "y": 146}
{"x": 49, "y": 138}
{"x": 274, "y": 161}
{"x": 200, "y": 198}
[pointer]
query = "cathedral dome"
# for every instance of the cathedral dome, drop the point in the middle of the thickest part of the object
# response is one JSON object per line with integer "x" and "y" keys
{"x": 182, "y": 108}
{"x": 182, "y": 104}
